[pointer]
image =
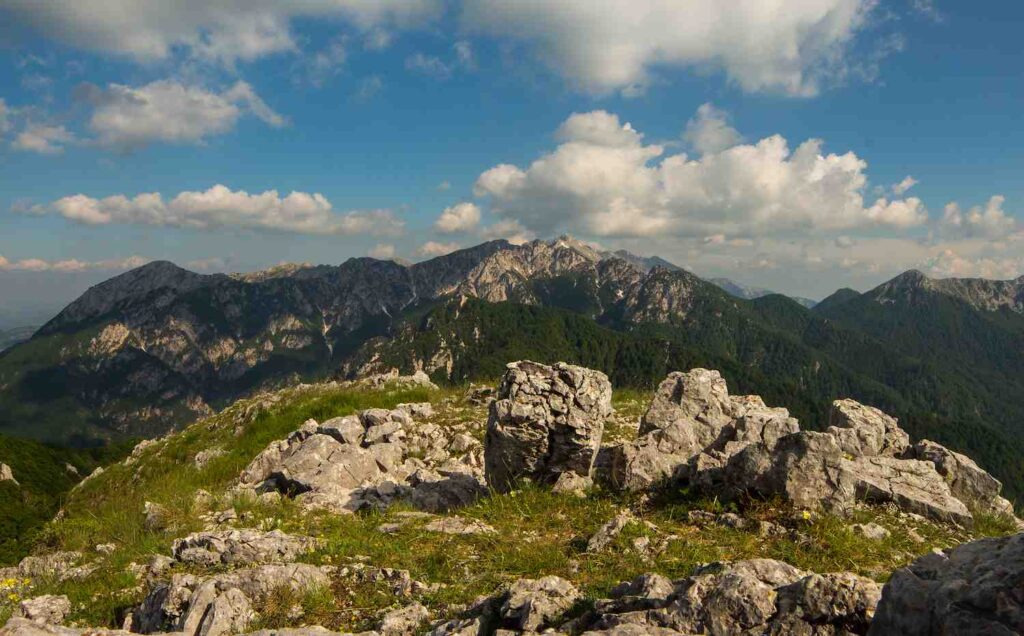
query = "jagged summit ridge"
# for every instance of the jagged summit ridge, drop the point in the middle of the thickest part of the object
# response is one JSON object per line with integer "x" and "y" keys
{"x": 980, "y": 293}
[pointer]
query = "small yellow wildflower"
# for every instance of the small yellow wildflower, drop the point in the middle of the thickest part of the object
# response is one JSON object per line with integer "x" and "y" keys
{"x": 12, "y": 597}
{"x": 807, "y": 515}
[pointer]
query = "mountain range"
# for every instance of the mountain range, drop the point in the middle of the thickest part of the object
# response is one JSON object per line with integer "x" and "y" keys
{"x": 153, "y": 348}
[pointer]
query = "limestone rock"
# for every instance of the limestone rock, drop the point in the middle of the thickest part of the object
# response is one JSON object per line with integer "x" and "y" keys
{"x": 759, "y": 596}
{"x": 546, "y": 421}
{"x": 607, "y": 533}
{"x": 912, "y": 485}
{"x": 864, "y": 430}
{"x": 6, "y": 474}
{"x": 870, "y": 531}
{"x": 218, "y": 604}
{"x": 403, "y": 621}
{"x": 156, "y": 516}
{"x": 972, "y": 589}
{"x": 45, "y": 610}
{"x": 531, "y": 604}
{"x": 967, "y": 481}
{"x": 240, "y": 547}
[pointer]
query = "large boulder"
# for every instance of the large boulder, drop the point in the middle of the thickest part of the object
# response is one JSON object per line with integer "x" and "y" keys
{"x": 973, "y": 589}
{"x": 45, "y": 610}
{"x": 803, "y": 468}
{"x": 546, "y": 421}
{"x": 692, "y": 414}
{"x": 967, "y": 481}
{"x": 864, "y": 430}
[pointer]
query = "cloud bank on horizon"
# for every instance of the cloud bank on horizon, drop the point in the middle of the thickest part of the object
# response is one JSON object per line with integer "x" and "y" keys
{"x": 692, "y": 184}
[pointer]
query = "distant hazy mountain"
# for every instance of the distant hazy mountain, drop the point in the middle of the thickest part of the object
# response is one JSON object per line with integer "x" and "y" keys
{"x": 11, "y": 337}
{"x": 750, "y": 293}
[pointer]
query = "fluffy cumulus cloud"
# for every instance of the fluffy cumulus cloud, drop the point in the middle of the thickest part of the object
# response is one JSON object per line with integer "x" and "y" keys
{"x": 988, "y": 221}
{"x": 431, "y": 249}
{"x": 460, "y": 217}
{"x": 43, "y": 139}
{"x": 221, "y": 207}
{"x": 223, "y": 31}
{"x": 382, "y": 251}
{"x": 608, "y": 45}
{"x": 709, "y": 131}
{"x": 70, "y": 265}
{"x": 169, "y": 111}
{"x": 604, "y": 180}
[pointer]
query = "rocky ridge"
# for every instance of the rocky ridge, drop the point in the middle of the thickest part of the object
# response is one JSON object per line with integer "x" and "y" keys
{"x": 546, "y": 425}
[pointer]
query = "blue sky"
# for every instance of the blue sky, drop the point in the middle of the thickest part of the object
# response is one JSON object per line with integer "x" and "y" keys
{"x": 524, "y": 119}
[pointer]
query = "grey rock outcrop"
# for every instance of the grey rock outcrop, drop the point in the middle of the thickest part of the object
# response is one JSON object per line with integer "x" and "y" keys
{"x": 728, "y": 446}
{"x": 972, "y": 589}
{"x": 221, "y": 604}
{"x": 546, "y": 421}
{"x": 240, "y": 547}
{"x": 967, "y": 481}
{"x": 6, "y": 474}
{"x": 760, "y": 596}
{"x": 691, "y": 414}
{"x": 866, "y": 431}
{"x": 368, "y": 460}
{"x": 45, "y": 610}
{"x": 403, "y": 621}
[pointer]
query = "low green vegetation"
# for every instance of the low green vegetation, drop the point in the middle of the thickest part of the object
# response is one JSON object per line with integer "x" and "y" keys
{"x": 537, "y": 532}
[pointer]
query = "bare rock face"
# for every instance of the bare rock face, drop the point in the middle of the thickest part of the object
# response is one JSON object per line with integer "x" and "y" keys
{"x": 368, "y": 460}
{"x": 695, "y": 432}
{"x": 404, "y": 620}
{"x": 972, "y": 589}
{"x": 240, "y": 547}
{"x": 866, "y": 431}
{"x": 911, "y": 484}
{"x": 692, "y": 414}
{"x": 221, "y": 604}
{"x": 545, "y": 421}
{"x": 759, "y": 596}
{"x": 968, "y": 482}
{"x": 6, "y": 474}
{"x": 45, "y": 610}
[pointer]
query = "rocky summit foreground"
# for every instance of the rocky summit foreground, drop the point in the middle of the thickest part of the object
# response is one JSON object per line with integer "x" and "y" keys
{"x": 546, "y": 506}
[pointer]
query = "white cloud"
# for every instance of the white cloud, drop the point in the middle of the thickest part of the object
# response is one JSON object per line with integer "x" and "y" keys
{"x": 428, "y": 65}
{"x": 326, "y": 63}
{"x": 949, "y": 263}
{"x": 609, "y": 45}
{"x": 166, "y": 110}
{"x": 989, "y": 221}
{"x": 927, "y": 9}
{"x": 70, "y": 265}
{"x": 899, "y": 189}
{"x": 434, "y": 66}
{"x": 220, "y": 207}
{"x": 709, "y": 131}
{"x": 444, "y": 185}
{"x": 43, "y": 139}
{"x": 508, "y": 229}
{"x": 224, "y": 31}
{"x": 382, "y": 251}
{"x": 433, "y": 248}
{"x": 460, "y": 217}
{"x": 602, "y": 180}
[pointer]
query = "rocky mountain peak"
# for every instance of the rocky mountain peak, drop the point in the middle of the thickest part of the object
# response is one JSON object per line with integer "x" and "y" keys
{"x": 979, "y": 293}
